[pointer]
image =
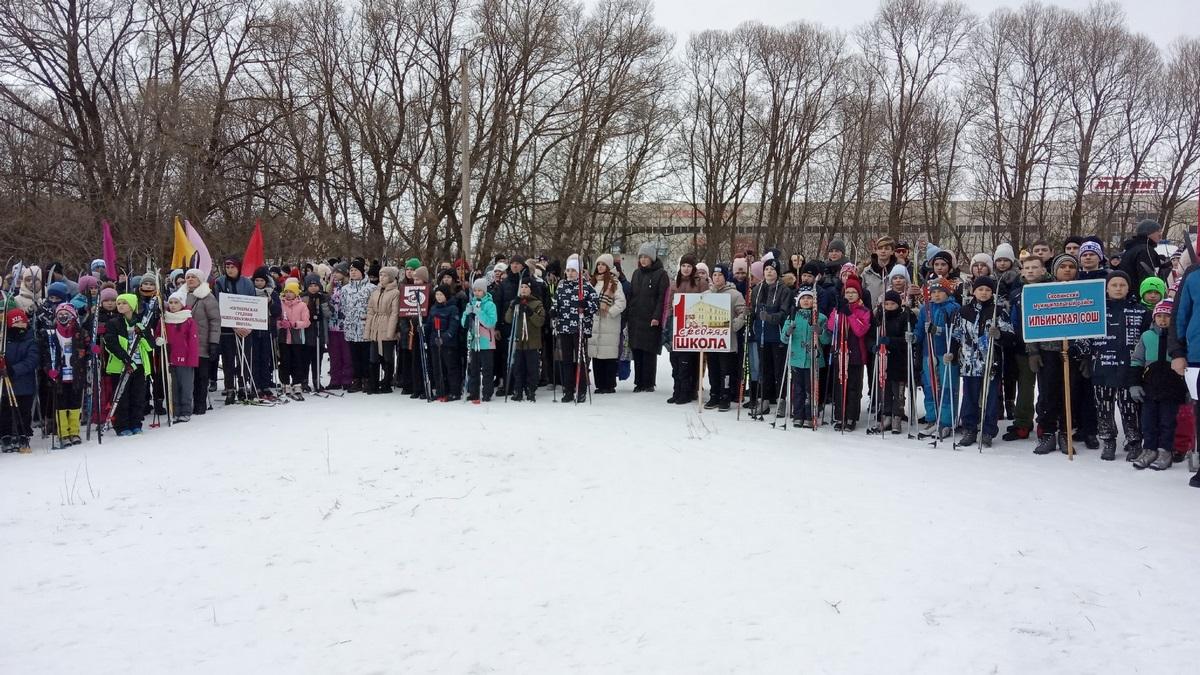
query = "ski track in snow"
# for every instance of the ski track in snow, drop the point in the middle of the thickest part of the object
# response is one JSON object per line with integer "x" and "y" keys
{"x": 625, "y": 536}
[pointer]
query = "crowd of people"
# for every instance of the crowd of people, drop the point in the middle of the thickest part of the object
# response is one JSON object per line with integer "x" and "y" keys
{"x": 815, "y": 339}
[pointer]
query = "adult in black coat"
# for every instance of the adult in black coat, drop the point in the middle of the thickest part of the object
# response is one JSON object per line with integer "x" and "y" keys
{"x": 1140, "y": 260}
{"x": 643, "y": 311}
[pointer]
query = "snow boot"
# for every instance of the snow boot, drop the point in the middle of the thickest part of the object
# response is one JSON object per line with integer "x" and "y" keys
{"x": 1145, "y": 459}
{"x": 673, "y": 399}
{"x": 928, "y": 430}
{"x": 356, "y": 385}
{"x": 1195, "y": 481}
{"x": 723, "y": 406}
{"x": 568, "y": 397}
{"x": 1163, "y": 461}
{"x": 23, "y": 445}
{"x": 230, "y": 397}
{"x": 1046, "y": 444}
{"x": 897, "y": 426}
{"x": 518, "y": 397}
{"x": 969, "y": 438}
{"x": 798, "y": 423}
{"x": 581, "y": 397}
{"x": 1015, "y": 433}
{"x": 1091, "y": 442}
{"x": 532, "y": 396}
{"x": 1062, "y": 442}
{"x": 711, "y": 403}
{"x": 987, "y": 441}
{"x": 1110, "y": 450}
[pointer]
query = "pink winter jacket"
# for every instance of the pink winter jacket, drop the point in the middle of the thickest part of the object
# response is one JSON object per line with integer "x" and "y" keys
{"x": 183, "y": 342}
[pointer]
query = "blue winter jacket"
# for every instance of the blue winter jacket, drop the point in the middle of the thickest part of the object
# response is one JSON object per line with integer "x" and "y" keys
{"x": 441, "y": 326}
{"x": 943, "y": 319}
{"x": 1184, "y": 337}
{"x": 22, "y": 356}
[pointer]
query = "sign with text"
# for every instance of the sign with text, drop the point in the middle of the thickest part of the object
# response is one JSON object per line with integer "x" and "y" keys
{"x": 1067, "y": 310}
{"x": 243, "y": 311}
{"x": 1135, "y": 185}
{"x": 414, "y": 301}
{"x": 702, "y": 322}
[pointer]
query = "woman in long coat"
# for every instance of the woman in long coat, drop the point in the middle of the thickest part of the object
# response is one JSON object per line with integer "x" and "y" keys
{"x": 605, "y": 344}
{"x": 648, "y": 290}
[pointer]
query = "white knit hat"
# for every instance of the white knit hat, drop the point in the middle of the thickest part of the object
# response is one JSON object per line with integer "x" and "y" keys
{"x": 1005, "y": 252}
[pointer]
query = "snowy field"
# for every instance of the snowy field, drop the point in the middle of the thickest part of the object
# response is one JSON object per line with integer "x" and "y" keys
{"x": 385, "y": 535}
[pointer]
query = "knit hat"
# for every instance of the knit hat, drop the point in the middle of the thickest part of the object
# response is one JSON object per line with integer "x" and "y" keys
{"x": 892, "y": 296}
{"x": 292, "y": 284}
{"x": 942, "y": 255}
{"x": 311, "y": 279}
{"x": 770, "y": 263}
{"x": 1147, "y": 227}
{"x": 898, "y": 271}
{"x": 180, "y": 295}
{"x": 479, "y": 284}
{"x": 937, "y": 283}
{"x": 806, "y": 291}
{"x": 740, "y": 264}
{"x": 195, "y": 272}
{"x": 87, "y": 282}
{"x": 234, "y": 260}
{"x": 573, "y": 263}
{"x": 756, "y": 269}
{"x": 853, "y": 282}
{"x": 814, "y": 268}
{"x": 391, "y": 271}
{"x": 1004, "y": 252}
{"x": 848, "y": 267}
{"x": 648, "y": 249}
{"x": 68, "y": 308}
{"x": 1118, "y": 274}
{"x": 837, "y": 245}
{"x": 1164, "y": 307}
{"x": 129, "y": 299}
{"x": 421, "y": 275}
{"x": 98, "y": 263}
{"x": 108, "y": 294}
{"x": 12, "y": 315}
{"x": 58, "y": 290}
{"x": 262, "y": 273}
{"x": 1062, "y": 259}
{"x": 444, "y": 290}
{"x": 605, "y": 259}
{"x": 1091, "y": 247}
{"x": 982, "y": 258}
{"x": 984, "y": 281}
{"x": 1153, "y": 284}
{"x": 500, "y": 267}
{"x": 448, "y": 272}
{"x": 412, "y": 263}
{"x": 174, "y": 276}
{"x": 148, "y": 279}
{"x": 342, "y": 268}
{"x": 516, "y": 260}
{"x": 360, "y": 265}
{"x": 902, "y": 245}
{"x": 702, "y": 266}
{"x": 724, "y": 269}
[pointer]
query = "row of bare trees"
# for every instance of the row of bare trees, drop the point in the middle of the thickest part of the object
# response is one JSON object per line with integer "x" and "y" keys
{"x": 341, "y": 125}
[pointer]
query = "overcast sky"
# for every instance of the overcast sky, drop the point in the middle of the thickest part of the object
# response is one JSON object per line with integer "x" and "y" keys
{"x": 1161, "y": 20}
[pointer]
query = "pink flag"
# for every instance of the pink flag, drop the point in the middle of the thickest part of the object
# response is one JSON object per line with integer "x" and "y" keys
{"x": 204, "y": 264}
{"x": 110, "y": 251}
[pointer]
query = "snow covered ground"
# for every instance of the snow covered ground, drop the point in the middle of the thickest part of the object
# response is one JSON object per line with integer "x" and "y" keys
{"x": 384, "y": 535}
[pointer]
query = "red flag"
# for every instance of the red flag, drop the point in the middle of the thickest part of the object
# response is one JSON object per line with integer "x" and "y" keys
{"x": 110, "y": 252}
{"x": 253, "y": 259}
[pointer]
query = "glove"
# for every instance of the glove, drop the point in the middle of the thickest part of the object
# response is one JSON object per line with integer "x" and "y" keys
{"x": 1035, "y": 362}
{"x": 471, "y": 308}
{"x": 910, "y": 338}
{"x": 843, "y": 307}
{"x": 788, "y": 332}
{"x": 948, "y": 358}
{"x": 129, "y": 368}
{"x": 524, "y": 301}
{"x": 994, "y": 333}
{"x": 214, "y": 349}
{"x": 762, "y": 315}
{"x": 53, "y": 373}
{"x": 160, "y": 341}
{"x": 96, "y": 349}
{"x": 885, "y": 341}
{"x": 1137, "y": 393}
{"x": 283, "y": 323}
{"x": 1085, "y": 367}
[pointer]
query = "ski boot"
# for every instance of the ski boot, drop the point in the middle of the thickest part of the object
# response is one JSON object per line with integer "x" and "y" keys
{"x": 1145, "y": 459}
{"x": 1015, "y": 433}
{"x": 1133, "y": 450}
{"x": 712, "y": 403}
{"x": 1091, "y": 442}
{"x": 1164, "y": 460}
{"x": 230, "y": 397}
{"x": 723, "y": 406}
{"x": 1062, "y": 442}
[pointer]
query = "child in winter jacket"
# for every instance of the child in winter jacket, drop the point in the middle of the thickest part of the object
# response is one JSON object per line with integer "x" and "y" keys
{"x": 18, "y": 370}
{"x": 318, "y": 313}
{"x": 67, "y": 360}
{"x": 980, "y": 331}
{"x": 574, "y": 312}
{"x": 1152, "y": 291}
{"x": 526, "y": 316}
{"x": 770, "y": 305}
{"x": 441, "y": 334}
{"x": 479, "y": 320}
{"x": 894, "y": 322}
{"x": 1125, "y": 321}
{"x": 1045, "y": 358}
{"x": 806, "y": 331}
{"x": 849, "y": 327}
{"x": 129, "y": 353}
{"x": 1159, "y": 389}
{"x": 939, "y": 377}
{"x": 295, "y": 340}
{"x": 183, "y": 353}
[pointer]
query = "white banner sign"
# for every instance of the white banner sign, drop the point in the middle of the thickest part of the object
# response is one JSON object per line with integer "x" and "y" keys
{"x": 243, "y": 311}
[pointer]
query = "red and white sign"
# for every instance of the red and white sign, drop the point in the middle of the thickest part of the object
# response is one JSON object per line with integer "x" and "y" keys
{"x": 1136, "y": 185}
{"x": 702, "y": 322}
